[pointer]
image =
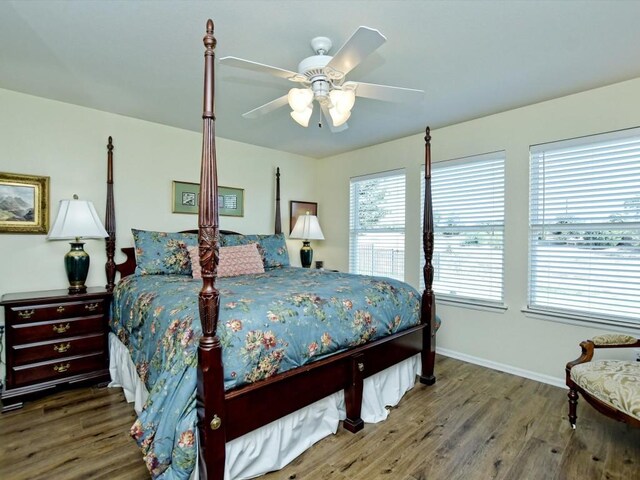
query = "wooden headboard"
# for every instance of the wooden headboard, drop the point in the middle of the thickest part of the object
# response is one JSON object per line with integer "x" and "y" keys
{"x": 128, "y": 267}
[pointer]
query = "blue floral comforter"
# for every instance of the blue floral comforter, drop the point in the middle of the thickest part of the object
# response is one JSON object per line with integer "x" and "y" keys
{"x": 268, "y": 323}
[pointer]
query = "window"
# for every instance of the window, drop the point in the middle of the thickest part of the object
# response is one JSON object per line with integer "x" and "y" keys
{"x": 584, "y": 256}
{"x": 376, "y": 224}
{"x": 468, "y": 216}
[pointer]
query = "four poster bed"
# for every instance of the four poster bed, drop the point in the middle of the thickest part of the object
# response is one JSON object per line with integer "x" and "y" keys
{"x": 283, "y": 354}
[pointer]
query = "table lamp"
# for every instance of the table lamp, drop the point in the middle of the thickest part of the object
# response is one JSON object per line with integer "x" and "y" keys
{"x": 76, "y": 219}
{"x": 307, "y": 228}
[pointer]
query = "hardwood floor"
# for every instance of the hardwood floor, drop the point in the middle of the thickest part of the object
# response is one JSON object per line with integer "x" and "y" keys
{"x": 76, "y": 434}
{"x": 475, "y": 423}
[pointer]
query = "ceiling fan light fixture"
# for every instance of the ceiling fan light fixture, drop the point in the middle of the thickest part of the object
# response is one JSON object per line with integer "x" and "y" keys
{"x": 339, "y": 117}
{"x": 343, "y": 100}
{"x": 302, "y": 117}
{"x": 300, "y": 99}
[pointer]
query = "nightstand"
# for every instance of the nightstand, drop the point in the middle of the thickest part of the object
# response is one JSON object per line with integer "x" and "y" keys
{"x": 52, "y": 339}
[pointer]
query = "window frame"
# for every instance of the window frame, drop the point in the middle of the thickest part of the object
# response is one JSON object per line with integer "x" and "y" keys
{"x": 355, "y": 228}
{"x": 568, "y": 314}
{"x": 464, "y": 300}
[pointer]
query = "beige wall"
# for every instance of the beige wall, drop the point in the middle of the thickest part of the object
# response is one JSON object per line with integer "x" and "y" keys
{"x": 68, "y": 144}
{"x": 509, "y": 340}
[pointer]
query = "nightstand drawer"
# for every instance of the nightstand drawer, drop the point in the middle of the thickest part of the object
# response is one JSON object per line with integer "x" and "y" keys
{"x": 53, "y": 369}
{"x": 36, "y": 313}
{"x": 52, "y": 339}
{"x": 38, "y": 352}
{"x": 58, "y": 329}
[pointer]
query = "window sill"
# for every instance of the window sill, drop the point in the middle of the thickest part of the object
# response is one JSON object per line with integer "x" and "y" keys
{"x": 486, "y": 307}
{"x": 583, "y": 320}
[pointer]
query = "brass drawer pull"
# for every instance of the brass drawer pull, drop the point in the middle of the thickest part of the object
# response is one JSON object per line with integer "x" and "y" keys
{"x": 62, "y": 367}
{"x": 91, "y": 306}
{"x": 61, "y": 328}
{"x": 60, "y": 309}
{"x": 62, "y": 347}
{"x": 26, "y": 313}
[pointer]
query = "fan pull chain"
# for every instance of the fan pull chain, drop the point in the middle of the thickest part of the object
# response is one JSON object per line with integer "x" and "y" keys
{"x": 319, "y": 118}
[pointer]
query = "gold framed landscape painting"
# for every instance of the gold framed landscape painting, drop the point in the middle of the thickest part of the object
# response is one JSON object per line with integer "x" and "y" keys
{"x": 24, "y": 203}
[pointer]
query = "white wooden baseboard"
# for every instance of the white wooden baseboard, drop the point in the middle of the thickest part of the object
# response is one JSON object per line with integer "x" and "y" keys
{"x": 556, "y": 382}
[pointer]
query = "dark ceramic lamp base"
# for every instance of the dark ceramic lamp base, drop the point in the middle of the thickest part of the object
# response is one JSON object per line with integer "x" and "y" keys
{"x": 76, "y": 262}
{"x": 306, "y": 254}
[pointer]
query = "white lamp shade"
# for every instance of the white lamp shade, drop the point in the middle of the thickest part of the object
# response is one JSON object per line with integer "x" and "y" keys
{"x": 76, "y": 218}
{"x": 300, "y": 98}
{"x": 302, "y": 117}
{"x": 343, "y": 100}
{"x": 307, "y": 228}
{"x": 339, "y": 117}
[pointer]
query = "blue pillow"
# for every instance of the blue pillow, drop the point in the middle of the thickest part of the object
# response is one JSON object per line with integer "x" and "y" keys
{"x": 273, "y": 247}
{"x": 162, "y": 253}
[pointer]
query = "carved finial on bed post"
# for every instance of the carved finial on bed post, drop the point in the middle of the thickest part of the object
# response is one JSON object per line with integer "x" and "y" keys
{"x": 210, "y": 393}
{"x": 110, "y": 222}
{"x": 428, "y": 304}
{"x": 209, "y": 88}
{"x": 278, "y": 226}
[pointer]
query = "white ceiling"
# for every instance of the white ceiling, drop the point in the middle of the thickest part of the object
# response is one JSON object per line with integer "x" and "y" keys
{"x": 143, "y": 59}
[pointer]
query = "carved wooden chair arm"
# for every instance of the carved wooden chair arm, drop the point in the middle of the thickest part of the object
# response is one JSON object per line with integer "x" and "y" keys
{"x": 587, "y": 354}
{"x": 610, "y": 340}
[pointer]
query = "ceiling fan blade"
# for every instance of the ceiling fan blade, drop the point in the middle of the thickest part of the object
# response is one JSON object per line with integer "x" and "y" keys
{"x": 259, "y": 67}
{"x": 388, "y": 93}
{"x": 362, "y": 43}
{"x": 267, "y": 107}
{"x": 329, "y": 121}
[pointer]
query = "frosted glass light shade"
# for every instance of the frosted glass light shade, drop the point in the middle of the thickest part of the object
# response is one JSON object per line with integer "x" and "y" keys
{"x": 302, "y": 117}
{"x": 299, "y": 99}
{"x": 76, "y": 219}
{"x": 343, "y": 100}
{"x": 338, "y": 117}
{"x": 307, "y": 228}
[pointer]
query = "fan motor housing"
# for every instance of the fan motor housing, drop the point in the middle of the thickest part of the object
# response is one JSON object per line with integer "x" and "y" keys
{"x": 313, "y": 67}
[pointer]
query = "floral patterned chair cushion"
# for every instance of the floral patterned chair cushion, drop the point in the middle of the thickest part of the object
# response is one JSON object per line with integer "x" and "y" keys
{"x": 614, "y": 382}
{"x": 162, "y": 253}
{"x": 273, "y": 247}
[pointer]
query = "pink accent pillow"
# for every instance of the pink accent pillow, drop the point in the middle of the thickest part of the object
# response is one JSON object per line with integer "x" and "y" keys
{"x": 237, "y": 260}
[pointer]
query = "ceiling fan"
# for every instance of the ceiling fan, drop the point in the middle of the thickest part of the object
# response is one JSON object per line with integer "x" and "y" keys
{"x": 323, "y": 79}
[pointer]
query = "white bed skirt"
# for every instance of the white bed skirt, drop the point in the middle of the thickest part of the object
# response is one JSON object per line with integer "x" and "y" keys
{"x": 273, "y": 446}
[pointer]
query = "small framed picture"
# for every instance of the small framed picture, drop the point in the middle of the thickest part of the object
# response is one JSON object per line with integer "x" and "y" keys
{"x": 24, "y": 203}
{"x": 231, "y": 201}
{"x": 297, "y": 208}
{"x": 186, "y": 196}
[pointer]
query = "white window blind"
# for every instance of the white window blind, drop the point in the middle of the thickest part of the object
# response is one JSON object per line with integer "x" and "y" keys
{"x": 584, "y": 255}
{"x": 377, "y": 211}
{"x": 468, "y": 214}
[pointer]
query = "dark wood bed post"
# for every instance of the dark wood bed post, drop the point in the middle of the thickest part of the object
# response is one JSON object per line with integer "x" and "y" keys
{"x": 428, "y": 304}
{"x": 210, "y": 393}
{"x": 278, "y": 226}
{"x": 110, "y": 222}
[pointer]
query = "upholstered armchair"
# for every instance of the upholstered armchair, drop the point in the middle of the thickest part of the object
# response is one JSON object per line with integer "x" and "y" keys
{"x": 611, "y": 386}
